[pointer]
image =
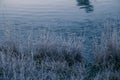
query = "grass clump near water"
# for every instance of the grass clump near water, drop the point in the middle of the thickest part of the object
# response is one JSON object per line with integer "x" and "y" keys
{"x": 107, "y": 58}
{"x": 59, "y": 50}
{"x": 109, "y": 52}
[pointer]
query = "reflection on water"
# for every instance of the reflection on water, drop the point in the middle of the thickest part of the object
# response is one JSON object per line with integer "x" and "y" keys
{"x": 85, "y": 4}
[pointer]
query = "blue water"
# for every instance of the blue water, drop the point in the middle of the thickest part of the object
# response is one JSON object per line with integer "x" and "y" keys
{"x": 87, "y": 18}
{"x": 69, "y": 16}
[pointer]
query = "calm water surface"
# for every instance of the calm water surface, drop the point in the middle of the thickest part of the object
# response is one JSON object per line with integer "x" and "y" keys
{"x": 69, "y": 17}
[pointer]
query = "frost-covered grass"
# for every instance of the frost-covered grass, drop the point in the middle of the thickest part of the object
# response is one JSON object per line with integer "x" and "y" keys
{"x": 107, "y": 57}
{"x": 108, "y": 51}
{"x": 58, "y": 58}
{"x": 52, "y": 58}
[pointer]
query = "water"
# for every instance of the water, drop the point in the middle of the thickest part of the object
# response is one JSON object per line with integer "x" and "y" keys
{"x": 86, "y": 18}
